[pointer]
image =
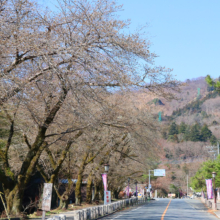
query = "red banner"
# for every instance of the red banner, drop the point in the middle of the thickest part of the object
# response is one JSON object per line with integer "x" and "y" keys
{"x": 104, "y": 179}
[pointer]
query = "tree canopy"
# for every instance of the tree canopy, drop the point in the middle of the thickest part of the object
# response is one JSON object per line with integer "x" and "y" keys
{"x": 205, "y": 133}
{"x": 212, "y": 83}
{"x": 205, "y": 172}
{"x": 173, "y": 129}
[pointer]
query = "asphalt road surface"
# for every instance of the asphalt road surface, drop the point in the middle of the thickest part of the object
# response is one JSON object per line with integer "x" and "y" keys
{"x": 166, "y": 209}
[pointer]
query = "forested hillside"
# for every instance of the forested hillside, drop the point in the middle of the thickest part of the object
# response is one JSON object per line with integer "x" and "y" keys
{"x": 188, "y": 125}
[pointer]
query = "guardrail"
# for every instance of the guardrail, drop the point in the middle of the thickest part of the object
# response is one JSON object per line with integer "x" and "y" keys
{"x": 101, "y": 210}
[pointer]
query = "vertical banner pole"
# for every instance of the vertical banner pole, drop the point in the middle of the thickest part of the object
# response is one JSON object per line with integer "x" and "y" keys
{"x": 104, "y": 179}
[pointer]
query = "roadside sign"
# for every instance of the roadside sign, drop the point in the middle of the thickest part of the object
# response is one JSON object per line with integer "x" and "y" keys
{"x": 211, "y": 146}
{"x": 171, "y": 195}
{"x": 47, "y": 193}
{"x": 107, "y": 197}
{"x": 140, "y": 195}
{"x": 159, "y": 172}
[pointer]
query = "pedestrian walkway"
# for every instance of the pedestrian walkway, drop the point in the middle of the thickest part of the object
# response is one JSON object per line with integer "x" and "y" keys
{"x": 96, "y": 212}
{"x": 209, "y": 204}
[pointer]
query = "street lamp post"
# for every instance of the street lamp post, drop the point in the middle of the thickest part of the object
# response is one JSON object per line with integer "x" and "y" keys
{"x": 128, "y": 185}
{"x": 106, "y": 168}
{"x": 213, "y": 176}
{"x": 107, "y": 196}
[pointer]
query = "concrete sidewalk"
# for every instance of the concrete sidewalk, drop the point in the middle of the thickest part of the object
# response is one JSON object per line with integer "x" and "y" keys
{"x": 210, "y": 204}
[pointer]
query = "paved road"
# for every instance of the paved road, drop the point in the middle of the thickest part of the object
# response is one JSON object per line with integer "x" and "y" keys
{"x": 182, "y": 209}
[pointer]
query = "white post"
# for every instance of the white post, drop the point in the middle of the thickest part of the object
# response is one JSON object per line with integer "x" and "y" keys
{"x": 43, "y": 215}
{"x": 155, "y": 194}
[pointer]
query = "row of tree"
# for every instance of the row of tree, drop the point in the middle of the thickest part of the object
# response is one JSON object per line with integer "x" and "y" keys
{"x": 66, "y": 78}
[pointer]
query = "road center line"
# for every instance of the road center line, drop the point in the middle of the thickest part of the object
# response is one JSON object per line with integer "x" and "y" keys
{"x": 162, "y": 217}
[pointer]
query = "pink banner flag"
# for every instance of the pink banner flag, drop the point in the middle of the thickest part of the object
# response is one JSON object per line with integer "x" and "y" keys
{"x": 209, "y": 189}
{"x": 104, "y": 179}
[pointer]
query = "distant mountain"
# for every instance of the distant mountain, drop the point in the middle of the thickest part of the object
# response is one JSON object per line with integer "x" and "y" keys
{"x": 189, "y": 124}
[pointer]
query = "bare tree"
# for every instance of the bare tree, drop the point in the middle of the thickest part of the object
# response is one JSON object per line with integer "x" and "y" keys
{"x": 53, "y": 64}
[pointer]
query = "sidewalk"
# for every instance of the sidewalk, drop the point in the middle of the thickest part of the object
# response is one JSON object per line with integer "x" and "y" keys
{"x": 209, "y": 203}
{"x": 96, "y": 212}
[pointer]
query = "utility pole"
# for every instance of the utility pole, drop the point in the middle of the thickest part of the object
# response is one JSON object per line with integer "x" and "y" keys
{"x": 149, "y": 178}
{"x": 187, "y": 185}
{"x": 149, "y": 186}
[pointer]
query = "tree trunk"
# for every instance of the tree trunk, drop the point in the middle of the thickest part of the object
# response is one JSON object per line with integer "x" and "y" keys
{"x": 78, "y": 195}
{"x": 89, "y": 190}
{"x": 98, "y": 191}
{"x": 115, "y": 193}
{"x": 63, "y": 199}
{"x": 14, "y": 196}
{"x": 14, "y": 201}
{"x": 63, "y": 204}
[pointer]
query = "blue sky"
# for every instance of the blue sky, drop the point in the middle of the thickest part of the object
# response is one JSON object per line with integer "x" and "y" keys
{"x": 185, "y": 34}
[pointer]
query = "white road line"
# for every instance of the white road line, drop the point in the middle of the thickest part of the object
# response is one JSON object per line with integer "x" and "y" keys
{"x": 116, "y": 217}
{"x": 135, "y": 209}
{"x": 124, "y": 213}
